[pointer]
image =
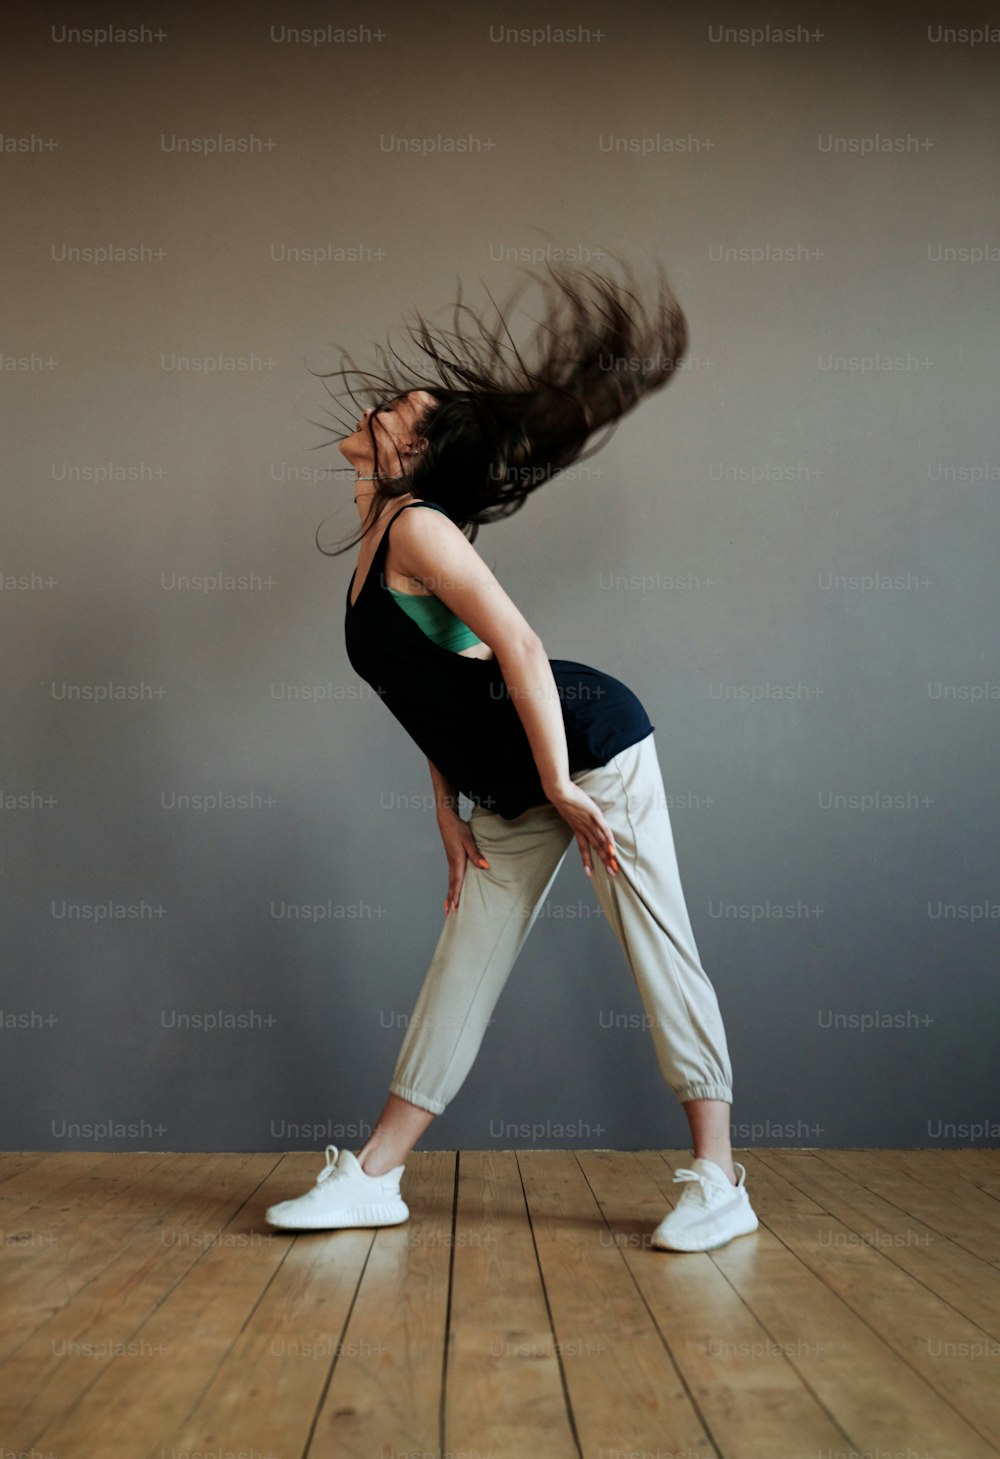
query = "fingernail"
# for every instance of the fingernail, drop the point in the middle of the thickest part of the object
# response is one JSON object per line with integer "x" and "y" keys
{"x": 486, "y": 864}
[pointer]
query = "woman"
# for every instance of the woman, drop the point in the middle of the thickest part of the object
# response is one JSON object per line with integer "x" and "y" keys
{"x": 546, "y": 749}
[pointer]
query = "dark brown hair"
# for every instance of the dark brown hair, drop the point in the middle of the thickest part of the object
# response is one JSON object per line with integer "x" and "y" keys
{"x": 506, "y": 419}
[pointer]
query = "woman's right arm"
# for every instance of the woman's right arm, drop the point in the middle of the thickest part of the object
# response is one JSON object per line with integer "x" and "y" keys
{"x": 459, "y": 842}
{"x": 445, "y": 794}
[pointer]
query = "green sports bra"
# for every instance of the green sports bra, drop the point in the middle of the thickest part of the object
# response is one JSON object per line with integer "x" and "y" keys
{"x": 437, "y": 620}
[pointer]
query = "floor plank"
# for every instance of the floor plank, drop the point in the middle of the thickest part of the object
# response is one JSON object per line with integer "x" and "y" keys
{"x": 968, "y": 1283}
{"x": 149, "y": 1390}
{"x": 131, "y": 1275}
{"x": 624, "y": 1389}
{"x": 753, "y": 1402}
{"x": 14, "y": 1162}
{"x": 871, "y": 1393}
{"x": 505, "y": 1392}
{"x": 522, "y": 1310}
{"x": 972, "y": 1223}
{"x": 928, "y": 1334}
{"x": 70, "y": 1232}
{"x": 384, "y": 1393}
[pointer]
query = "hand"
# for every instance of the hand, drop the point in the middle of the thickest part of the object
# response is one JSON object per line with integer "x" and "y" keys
{"x": 460, "y": 846}
{"x": 581, "y": 812}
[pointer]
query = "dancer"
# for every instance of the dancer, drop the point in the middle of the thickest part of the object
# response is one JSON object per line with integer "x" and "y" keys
{"x": 545, "y": 749}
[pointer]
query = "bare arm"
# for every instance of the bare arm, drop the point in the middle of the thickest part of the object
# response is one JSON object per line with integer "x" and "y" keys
{"x": 528, "y": 676}
{"x": 456, "y": 833}
{"x": 432, "y": 550}
{"x": 445, "y": 794}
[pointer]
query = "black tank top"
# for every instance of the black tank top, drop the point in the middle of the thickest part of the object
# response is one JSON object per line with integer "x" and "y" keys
{"x": 458, "y": 709}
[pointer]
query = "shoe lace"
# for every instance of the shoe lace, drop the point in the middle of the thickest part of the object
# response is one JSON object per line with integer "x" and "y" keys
{"x": 330, "y": 1169}
{"x": 698, "y": 1192}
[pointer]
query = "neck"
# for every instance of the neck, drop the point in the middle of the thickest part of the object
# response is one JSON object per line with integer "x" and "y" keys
{"x": 364, "y": 492}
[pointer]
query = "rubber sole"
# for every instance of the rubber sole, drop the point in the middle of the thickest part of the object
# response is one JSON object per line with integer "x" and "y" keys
{"x": 712, "y": 1246}
{"x": 389, "y": 1213}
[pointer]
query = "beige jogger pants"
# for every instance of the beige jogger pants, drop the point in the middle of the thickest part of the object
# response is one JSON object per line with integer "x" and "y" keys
{"x": 643, "y": 902}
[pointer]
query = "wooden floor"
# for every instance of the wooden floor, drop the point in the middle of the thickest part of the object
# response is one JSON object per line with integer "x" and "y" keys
{"x": 149, "y": 1311}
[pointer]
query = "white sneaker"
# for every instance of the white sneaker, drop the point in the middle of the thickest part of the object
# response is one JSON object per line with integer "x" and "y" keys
{"x": 710, "y": 1212}
{"x": 343, "y": 1195}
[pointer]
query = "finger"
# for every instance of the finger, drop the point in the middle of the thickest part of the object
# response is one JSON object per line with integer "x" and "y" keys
{"x": 454, "y": 888}
{"x": 600, "y": 833}
{"x": 584, "y": 846}
{"x": 478, "y": 857}
{"x": 610, "y": 855}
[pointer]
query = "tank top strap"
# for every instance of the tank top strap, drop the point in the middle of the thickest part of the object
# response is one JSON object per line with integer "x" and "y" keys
{"x": 383, "y": 545}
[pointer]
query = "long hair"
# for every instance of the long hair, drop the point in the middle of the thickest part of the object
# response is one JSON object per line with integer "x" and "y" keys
{"x": 506, "y": 419}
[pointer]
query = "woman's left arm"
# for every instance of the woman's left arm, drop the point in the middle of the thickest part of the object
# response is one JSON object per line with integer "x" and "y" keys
{"x": 433, "y": 550}
{"x": 528, "y": 675}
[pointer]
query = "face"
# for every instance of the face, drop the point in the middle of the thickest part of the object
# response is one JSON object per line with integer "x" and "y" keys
{"x": 390, "y": 426}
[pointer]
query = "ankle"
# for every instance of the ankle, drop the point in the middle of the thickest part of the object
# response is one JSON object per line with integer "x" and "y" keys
{"x": 377, "y": 1162}
{"x": 723, "y": 1161}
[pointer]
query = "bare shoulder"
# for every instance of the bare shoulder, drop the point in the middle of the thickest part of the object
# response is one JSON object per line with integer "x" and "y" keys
{"x": 434, "y": 551}
{"x": 432, "y": 524}
{"x": 420, "y": 538}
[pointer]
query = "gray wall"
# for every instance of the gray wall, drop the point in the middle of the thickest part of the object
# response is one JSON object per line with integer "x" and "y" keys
{"x": 790, "y": 556}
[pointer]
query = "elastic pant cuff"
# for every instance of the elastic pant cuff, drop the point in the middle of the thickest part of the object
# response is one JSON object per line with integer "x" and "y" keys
{"x": 422, "y": 1101}
{"x": 704, "y": 1091}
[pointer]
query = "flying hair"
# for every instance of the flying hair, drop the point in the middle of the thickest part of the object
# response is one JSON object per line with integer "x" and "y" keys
{"x": 507, "y": 418}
